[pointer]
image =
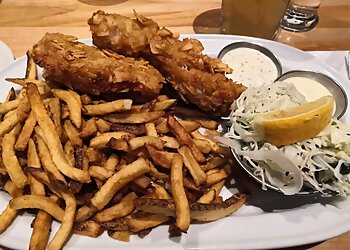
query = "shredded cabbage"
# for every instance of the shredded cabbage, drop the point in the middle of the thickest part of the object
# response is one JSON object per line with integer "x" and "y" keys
{"x": 321, "y": 163}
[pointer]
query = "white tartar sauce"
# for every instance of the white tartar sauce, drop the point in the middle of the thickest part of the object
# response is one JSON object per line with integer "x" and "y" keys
{"x": 250, "y": 67}
{"x": 311, "y": 89}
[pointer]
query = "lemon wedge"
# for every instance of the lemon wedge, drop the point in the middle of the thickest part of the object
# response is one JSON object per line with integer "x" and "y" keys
{"x": 284, "y": 127}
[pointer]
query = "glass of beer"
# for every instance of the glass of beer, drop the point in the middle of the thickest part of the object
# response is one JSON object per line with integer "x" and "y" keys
{"x": 258, "y": 18}
{"x": 301, "y": 15}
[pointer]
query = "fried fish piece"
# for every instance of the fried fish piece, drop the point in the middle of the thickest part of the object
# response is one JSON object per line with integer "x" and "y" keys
{"x": 91, "y": 70}
{"x": 120, "y": 33}
{"x": 196, "y": 77}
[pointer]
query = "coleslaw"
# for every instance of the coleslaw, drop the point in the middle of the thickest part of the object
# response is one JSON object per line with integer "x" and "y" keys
{"x": 321, "y": 163}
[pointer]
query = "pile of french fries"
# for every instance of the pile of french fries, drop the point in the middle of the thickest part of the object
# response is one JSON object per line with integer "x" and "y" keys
{"x": 97, "y": 166}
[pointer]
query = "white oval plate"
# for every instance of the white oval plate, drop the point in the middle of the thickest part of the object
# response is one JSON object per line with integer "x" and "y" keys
{"x": 250, "y": 227}
{"x": 6, "y": 56}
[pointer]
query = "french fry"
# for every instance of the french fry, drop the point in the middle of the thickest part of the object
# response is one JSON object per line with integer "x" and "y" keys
{"x": 11, "y": 162}
{"x": 121, "y": 147}
{"x": 118, "y": 180}
{"x": 73, "y": 104}
{"x": 23, "y": 109}
{"x": 189, "y": 183}
{"x": 203, "y": 146}
{"x": 36, "y": 187}
{"x": 10, "y": 105}
{"x": 52, "y": 138}
{"x": 161, "y": 98}
{"x": 216, "y": 177}
{"x": 67, "y": 223}
{"x": 208, "y": 124}
{"x": 17, "y": 130}
{"x": 198, "y": 211}
{"x": 84, "y": 213}
{"x": 189, "y": 126}
{"x": 135, "y": 129}
{"x": 89, "y": 129}
{"x": 88, "y": 228}
{"x": 139, "y": 223}
{"x": 6, "y": 218}
{"x": 170, "y": 142}
{"x": 218, "y": 187}
{"x": 85, "y": 99}
{"x": 160, "y": 158}
{"x": 43, "y": 178}
{"x": 214, "y": 163}
{"x": 208, "y": 197}
{"x": 162, "y": 127}
{"x": 155, "y": 173}
{"x": 76, "y": 96}
{"x": 31, "y": 72}
{"x": 160, "y": 191}
{"x": 102, "y": 139}
{"x": 138, "y": 142}
{"x": 24, "y": 81}
{"x": 41, "y": 231}
{"x": 120, "y": 235}
{"x": 136, "y": 222}
{"x": 212, "y": 171}
{"x": 163, "y": 105}
{"x": 112, "y": 162}
{"x": 47, "y": 162}
{"x": 10, "y": 113}
{"x": 136, "y": 118}
{"x": 108, "y": 107}
{"x": 93, "y": 156}
{"x": 9, "y": 123}
{"x": 185, "y": 138}
{"x": 27, "y": 130}
{"x": 41, "y": 228}
{"x": 142, "y": 181}
{"x": 72, "y": 133}
{"x": 69, "y": 150}
{"x": 55, "y": 110}
{"x": 191, "y": 164}
{"x": 40, "y": 202}
{"x": 118, "y": 144}
{"x": 214, "y": 145}
{"x": 102, "y": 125}
{"x": 11, "y": 189}
{"x": 179, "y": 195}
{"x": 151, "y": 129}
{"x": 100, "y": 173}
{"x": 64, "y": 112}
{"x": 121, "y": 209}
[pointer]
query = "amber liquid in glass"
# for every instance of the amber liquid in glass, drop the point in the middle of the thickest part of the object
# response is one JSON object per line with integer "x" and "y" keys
{"x": 258, "y": 18}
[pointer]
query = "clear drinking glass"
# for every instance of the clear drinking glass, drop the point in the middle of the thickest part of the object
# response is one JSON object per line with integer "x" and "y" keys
{"x": 301, "y": 15}
{"x": 258, "y": 18}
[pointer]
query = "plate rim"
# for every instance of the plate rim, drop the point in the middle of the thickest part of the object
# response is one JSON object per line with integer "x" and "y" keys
{"x": 7, "y": 55}
{"x": 274, "y": 243}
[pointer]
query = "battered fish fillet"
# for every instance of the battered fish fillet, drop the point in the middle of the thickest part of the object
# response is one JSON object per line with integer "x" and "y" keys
{"x": 119, "y": 34}
{"x": 91, "y": 70}
{"x": 198, "y": 78}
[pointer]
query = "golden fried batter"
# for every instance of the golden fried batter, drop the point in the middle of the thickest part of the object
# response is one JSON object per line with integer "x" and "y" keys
{"x": 128, "y": 37}
{"x": 93, "y": 71}
{"x": 198, "y": 78}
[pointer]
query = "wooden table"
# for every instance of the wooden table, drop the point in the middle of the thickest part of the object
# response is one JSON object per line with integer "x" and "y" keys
{"x": 23, "y": 22}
